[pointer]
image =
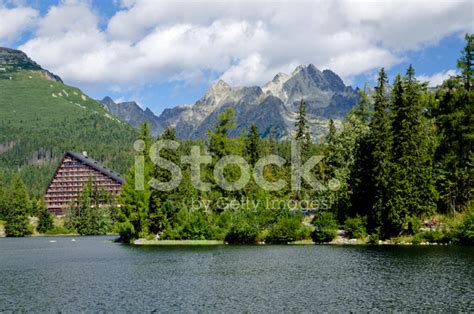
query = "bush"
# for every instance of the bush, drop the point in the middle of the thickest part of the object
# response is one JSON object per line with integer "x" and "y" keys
{"x": 466, "y": 229}
{"x": 287, "y": 230}
{"x": 242, "y": 233}
{"x": 45, "y": 220}
{"x": 58, "y": 230}
{"x": 355, "y": 227}
{"x": 325, "y": 227}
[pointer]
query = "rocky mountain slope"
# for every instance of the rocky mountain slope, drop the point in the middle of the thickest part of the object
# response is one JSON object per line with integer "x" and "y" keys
{"x": 272, "y": 107}
{"x": 132, "y": 113}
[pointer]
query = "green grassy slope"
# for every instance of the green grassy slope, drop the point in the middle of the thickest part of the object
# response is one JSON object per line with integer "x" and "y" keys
{"x": 41, "y": 118}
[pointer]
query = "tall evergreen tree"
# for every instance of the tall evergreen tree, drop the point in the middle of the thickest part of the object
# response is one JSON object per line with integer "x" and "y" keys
{"x": 17, "y": 224}
{"x": 411, "y": 185}
{"x": 163, "y": 204}
{"x": 252, "y": 145}
{"x": 219, "y": 142}
{"x": 465, "y": 63}
{"x": 302, "y": 130}
{"x": 379, "y": 142}
{"x": 453, "y": 112}
{"x": 45, "y": 218}
{"x": 331, "y": 136}
{"x": 133, "y": 217}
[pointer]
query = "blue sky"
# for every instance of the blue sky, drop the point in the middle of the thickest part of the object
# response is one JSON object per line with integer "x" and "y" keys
{"x": 166, "y": 53}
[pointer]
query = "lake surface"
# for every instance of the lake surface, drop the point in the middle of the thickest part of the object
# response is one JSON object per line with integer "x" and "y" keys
{"x": 94, "y": 274}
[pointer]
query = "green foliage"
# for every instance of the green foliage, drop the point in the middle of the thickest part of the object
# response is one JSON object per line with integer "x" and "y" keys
{"x": 3, "y": 200}
{"x": 302, "y": 130}
{"x": 465, "y": 63}
{"x": 89, "y": 216}
{"x": 191, "y": 225}
{"x": 45, "y": 219}
{"x": 133, "y": 216}
{"x": 252, "y": 145}
{"x": 288, "y": 230}
{"x": 39, "y": 128}
{"x": 465, "y": 232}
{"x": 242, "y": 232}
{"x": 17, "y": 223}
{"x": 325, "y": 227}
{"x": 355, "y": 227}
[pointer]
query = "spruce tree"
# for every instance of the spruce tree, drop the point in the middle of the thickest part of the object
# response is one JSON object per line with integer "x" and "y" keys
{"x": 45, "y": 218}
{"x": 331, "y": 136}
{"x": 252, "y": 145}
{"x": 411, "y": 186}
{"x": 453, "y": 112}
{"x": 164, "y": 204}
{"x": 465, "y": 63}
{"x": 379, "y": 145}
{"x": 360, "y": 180}
{"x": 302, "y": 130}
{"x": 133, "y": 216}
{"x": 17, "y": 224}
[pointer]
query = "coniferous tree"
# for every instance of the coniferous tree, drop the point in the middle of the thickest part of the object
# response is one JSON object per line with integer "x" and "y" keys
{"x": 331, "y": 136}
{"x": 302, "y": 130}
{"x": 380, "y": 141}
{"x": 252, "y": 145}
{"x": 164, "y": 204}
{"x": 17, "y": 224}
{"x": 465, "y": 63}
{"x": 132, "y": 219}
{"x": 411, "y": 187}
{"x": 45, "y": 218}
{"x": 219, "y": 142}
{"x": 3, "y": 201}
{"x": 360, "y": 179}
{"x": 453, "y": 113}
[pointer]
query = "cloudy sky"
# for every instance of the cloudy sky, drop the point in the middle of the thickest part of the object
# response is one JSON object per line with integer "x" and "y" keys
{"x": 164, "y": 53}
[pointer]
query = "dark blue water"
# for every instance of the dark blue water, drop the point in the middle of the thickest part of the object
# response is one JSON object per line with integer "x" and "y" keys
{"x": 94, "y": 274}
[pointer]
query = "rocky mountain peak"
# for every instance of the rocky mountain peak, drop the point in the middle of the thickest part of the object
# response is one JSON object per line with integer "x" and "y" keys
{"x": 216, "y": 92}
{"x": 14, "y": 60}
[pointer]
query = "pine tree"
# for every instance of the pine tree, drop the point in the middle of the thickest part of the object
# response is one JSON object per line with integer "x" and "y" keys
{"x": 252, "y": 145}
{"x": 302, "y": 130}
{"x": 45, "y": 218}
{"x": 17, "y": 224}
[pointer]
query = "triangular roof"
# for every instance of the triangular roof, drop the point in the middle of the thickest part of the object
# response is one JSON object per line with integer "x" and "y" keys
{"x": 96, "y": 165}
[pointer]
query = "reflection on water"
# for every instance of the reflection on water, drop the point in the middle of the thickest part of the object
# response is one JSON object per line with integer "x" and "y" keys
{"x": 93, "y": 273}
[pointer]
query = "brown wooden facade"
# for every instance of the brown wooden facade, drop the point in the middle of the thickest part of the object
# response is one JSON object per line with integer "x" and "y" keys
{"x": 72, "y": 174}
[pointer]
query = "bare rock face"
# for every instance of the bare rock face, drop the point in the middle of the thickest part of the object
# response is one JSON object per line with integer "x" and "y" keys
{"x": 131, "y": 112}
{"x": 272, "y": 107}
{"x": 13, "y": 60}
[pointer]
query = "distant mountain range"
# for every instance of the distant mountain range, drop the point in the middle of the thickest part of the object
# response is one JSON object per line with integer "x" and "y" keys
{"x": 272, "y": 106}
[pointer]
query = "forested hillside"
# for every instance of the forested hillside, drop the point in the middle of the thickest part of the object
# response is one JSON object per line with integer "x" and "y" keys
{"x": 41, "y": 118}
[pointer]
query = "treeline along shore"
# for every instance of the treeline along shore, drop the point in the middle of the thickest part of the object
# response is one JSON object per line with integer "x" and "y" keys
{"x": 399, "y": 169}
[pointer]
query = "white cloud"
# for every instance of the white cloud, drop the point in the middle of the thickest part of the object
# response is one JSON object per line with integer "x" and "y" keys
{"x": 245, "y": 41}
{"x": 437, "y": 78}
{"x": 13, "y": 21}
